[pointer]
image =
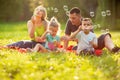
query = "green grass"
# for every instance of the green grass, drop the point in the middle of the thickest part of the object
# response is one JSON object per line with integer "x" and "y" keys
{"x": 53, "y": 66}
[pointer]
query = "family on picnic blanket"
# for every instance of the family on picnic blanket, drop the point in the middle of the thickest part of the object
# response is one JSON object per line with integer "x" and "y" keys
{"x": 45, "y": 37}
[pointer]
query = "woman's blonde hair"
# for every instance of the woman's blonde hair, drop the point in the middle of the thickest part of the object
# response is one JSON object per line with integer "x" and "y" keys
{"x": 42, "y": 9}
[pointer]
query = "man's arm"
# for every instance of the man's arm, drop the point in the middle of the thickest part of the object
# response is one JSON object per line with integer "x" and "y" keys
{"x": 76, "y": 32}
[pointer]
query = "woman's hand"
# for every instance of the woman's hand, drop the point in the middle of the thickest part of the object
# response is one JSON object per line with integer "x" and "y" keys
{"x": 39, "y": 39}
{"x": 48, "y": 31}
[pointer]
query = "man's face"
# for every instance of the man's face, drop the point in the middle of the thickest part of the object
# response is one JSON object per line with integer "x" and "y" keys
{"x": 75, "y": 18}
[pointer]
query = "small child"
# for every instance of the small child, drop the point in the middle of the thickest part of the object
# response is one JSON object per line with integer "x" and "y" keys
{"x": 87, "y": 40}
{"x": 52, "y": 39}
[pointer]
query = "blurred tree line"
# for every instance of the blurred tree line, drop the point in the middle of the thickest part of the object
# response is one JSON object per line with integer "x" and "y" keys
{"x": 103, "y": 12}
{"x": 14, "y": 10}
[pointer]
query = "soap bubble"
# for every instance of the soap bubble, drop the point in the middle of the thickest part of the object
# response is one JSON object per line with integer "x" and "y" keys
{"x": 107, "y": 30}
{"x": 103, "y": 31}
{"x": 65, "y": 7}
{"x": 92, "y": 14}
{"x": 55, "y": 10}
{"x": 52, "y": 8}
{"x": 94, "y": 26}
{"x": 103, "y": 13}
{"x": 98, "y": 25}
{"x": 48, "y": 8}
{"x": 108, "y": 12}
{"x": 67, "y": 13}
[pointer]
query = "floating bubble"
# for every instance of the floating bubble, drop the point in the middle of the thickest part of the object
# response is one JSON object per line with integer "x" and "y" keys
{"x": 55, "y": 10}
{"x": 103, "y": 13}
{"x": 108, "y": 12}
{"x": 98, "y": 25}
{"x": 107, "y": 30}
{"x": 65, "y": 7}
{"x": 48, "y": 8}
{"x": 52, "y": 8}
{"x": 92, "y": 14}
{"x": 67, "y": 13}
{"x": 103, "y": 31}
{"x": 94, "y": 26}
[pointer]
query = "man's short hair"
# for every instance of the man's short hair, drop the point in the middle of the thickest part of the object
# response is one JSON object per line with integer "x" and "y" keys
{"x": 75, "y": 10}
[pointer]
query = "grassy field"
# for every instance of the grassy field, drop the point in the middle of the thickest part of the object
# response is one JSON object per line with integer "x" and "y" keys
{"x": 53, "y": 66}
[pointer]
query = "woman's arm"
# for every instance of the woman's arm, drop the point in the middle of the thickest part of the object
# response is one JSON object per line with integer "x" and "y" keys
{"x": 45, "y": 23}
{"x": 30, "y": 27}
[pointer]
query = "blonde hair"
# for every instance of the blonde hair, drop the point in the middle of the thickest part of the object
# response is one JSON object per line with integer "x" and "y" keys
{"x": 42, "y": 9}
{"x": 54, "y": 23}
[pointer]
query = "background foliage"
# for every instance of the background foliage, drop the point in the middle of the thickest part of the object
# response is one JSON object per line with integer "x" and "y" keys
{"x": 21, "y": 10}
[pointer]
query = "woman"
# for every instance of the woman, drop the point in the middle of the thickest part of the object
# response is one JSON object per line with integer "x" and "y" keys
{"x": 37, "y": 25}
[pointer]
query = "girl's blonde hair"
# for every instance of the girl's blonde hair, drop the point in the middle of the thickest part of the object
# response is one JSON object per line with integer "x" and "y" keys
{"x": 42, "y": 9}
{"x": 54, "y": 23}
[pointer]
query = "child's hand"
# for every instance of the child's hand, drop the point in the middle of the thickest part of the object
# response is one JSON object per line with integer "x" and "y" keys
{"x": 56, "y": 43}
{"x": 93, "y": 42}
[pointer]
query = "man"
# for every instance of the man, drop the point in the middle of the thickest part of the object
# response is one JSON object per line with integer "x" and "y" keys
{"x": 74, "y": 22}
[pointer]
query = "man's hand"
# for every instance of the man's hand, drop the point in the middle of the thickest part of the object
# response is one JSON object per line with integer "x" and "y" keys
{"x": 65, "y": 38}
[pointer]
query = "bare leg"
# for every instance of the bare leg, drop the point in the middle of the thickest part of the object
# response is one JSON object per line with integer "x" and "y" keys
{"x": 109, "y": 43}
{"x": 39, "y": 47}
{"x": 65, "y": 39}
{"x": 65, "y": 45}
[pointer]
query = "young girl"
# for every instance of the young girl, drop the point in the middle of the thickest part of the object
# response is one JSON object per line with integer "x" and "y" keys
{"x": 52, "y": 39}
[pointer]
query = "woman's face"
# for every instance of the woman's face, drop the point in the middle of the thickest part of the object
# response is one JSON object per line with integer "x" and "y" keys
{"x": 38, "y": 13}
